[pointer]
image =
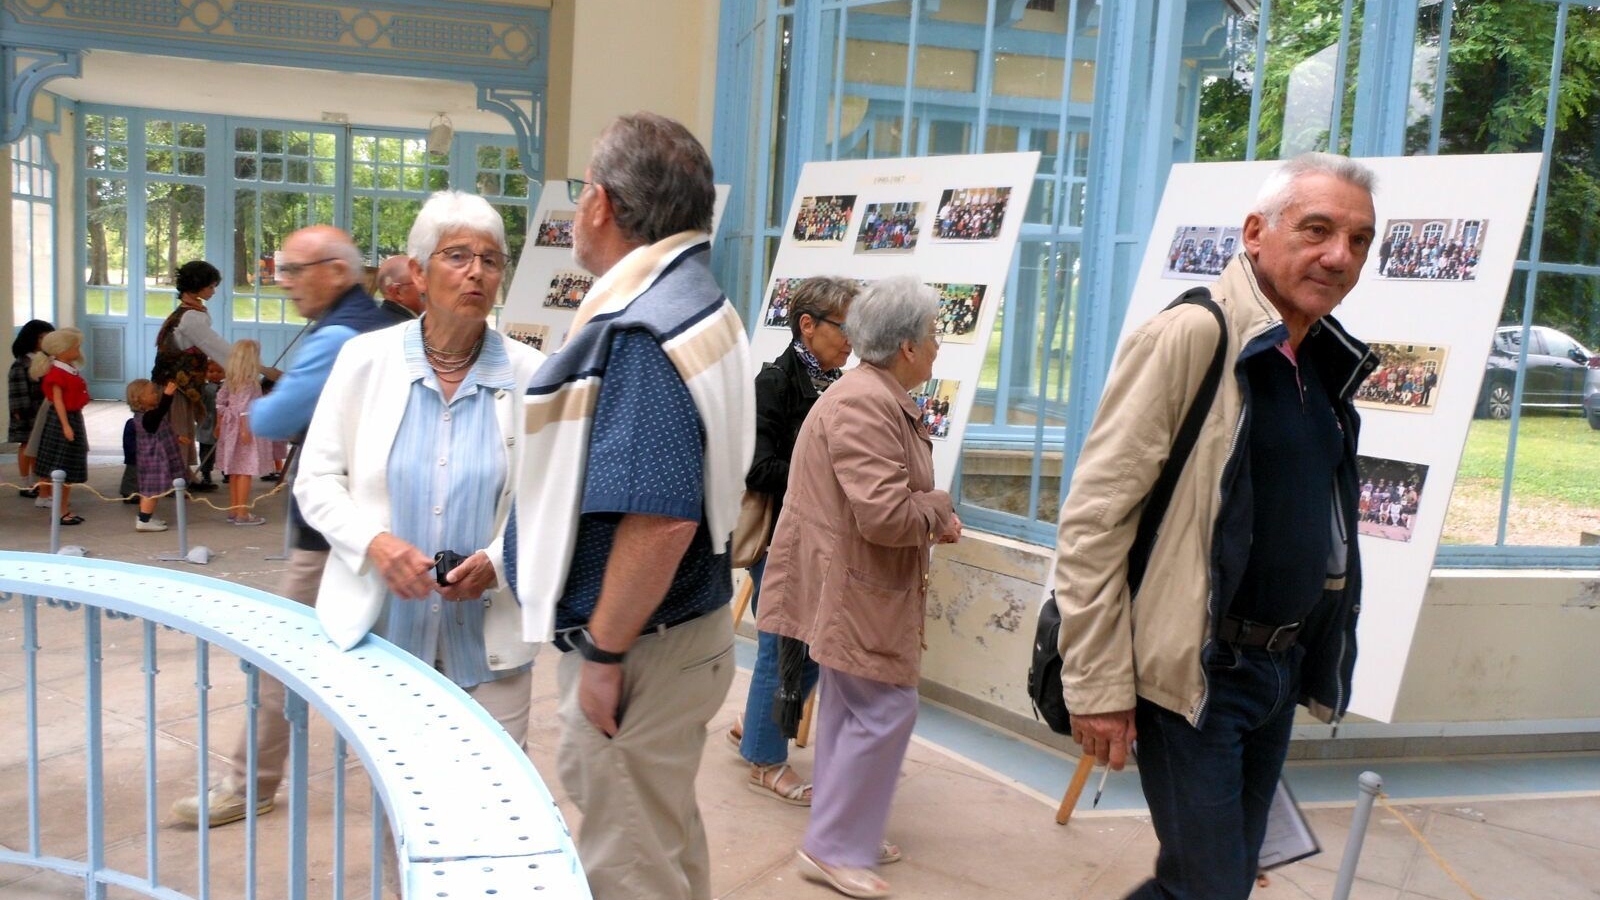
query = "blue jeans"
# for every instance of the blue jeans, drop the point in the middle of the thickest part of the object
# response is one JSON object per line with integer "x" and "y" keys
{"x": 763, "y": 743}
{"x": 1209, "y": 788}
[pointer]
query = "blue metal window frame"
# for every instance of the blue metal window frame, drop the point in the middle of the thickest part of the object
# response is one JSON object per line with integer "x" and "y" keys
{"x": 41, "y": 298}
{"x": 1138, "y": 51}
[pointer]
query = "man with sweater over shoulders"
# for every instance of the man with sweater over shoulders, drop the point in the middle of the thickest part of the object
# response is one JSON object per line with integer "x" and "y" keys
{"x": 641, "y": 429}
{"x": 321, "y": 271}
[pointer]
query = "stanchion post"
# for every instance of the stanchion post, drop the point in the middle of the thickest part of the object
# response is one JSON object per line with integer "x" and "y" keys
{"x": 58, "y": 478}
{"x": 180, "y": 495}
{"x": 288, "y": 526}
{"x": 1371, "y": 784}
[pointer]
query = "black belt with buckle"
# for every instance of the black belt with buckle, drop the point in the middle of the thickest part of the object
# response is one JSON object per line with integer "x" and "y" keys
{"x": 563, "y": 637}
{"x": 1246, "y": 633}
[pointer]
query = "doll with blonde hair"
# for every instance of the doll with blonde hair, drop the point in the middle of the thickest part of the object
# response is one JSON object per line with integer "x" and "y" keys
{"x": 64, "y": 444}
{"x": 158, "y": 458}
{"x": 239, "y": 454}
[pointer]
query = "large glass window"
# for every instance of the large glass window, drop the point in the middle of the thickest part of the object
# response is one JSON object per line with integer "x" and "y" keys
{"x": 390, "y": 177}
{"x": 284, "y": 179}
{"x": 33, "y": 216}
{"x": 105, "y": 195}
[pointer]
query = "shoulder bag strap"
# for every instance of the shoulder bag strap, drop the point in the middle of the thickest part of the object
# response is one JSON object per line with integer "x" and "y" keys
{"x": 1155, "y": 506}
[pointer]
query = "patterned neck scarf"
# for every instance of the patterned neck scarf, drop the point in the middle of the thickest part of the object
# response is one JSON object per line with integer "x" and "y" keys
{"x": 820, "y": 377}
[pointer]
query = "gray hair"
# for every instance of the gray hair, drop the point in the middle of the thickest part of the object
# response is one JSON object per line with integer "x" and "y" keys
{"x": 888, "y": 313}
{"x": 820, "y": 297}
{"x": 1279, "y": 190}
{"x": 657, "y": 176}
{"x": 448, "y": 211}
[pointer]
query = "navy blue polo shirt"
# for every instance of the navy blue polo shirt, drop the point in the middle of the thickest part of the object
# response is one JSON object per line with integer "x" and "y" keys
{"x": 646, "y": 455}
{"x": 1295, "y": 445}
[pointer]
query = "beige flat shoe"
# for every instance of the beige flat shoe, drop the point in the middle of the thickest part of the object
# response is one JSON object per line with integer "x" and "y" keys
{"x": 847, "y": 881}
{"x": 766, "y": 780}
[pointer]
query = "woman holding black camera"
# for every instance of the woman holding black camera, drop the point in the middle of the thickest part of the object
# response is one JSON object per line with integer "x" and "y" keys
{"x": 410, "y": 466}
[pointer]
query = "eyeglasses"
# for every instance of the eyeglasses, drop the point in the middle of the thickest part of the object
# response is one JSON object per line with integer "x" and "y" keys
{"x": 575, "y": 188}
{"x": 295, "y": 270}
{"x": 838, "y": 325}
{"x": 462, "y": 257}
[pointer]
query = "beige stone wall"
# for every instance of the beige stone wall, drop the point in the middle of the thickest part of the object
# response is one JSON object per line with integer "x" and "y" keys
{"x": 628, "y": 56}
{"x": 1497, "y": 652}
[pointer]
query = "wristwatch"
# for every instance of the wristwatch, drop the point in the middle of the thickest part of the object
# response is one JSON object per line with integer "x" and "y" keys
{"x": 584, "y": 644}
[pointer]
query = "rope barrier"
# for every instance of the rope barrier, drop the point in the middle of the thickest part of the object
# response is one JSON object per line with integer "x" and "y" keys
{"x": 1383, "y": 800}
{"x": 199, "y": 498}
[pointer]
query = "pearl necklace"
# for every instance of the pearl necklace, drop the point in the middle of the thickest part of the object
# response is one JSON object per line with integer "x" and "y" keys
{"x": 446, "y": 361}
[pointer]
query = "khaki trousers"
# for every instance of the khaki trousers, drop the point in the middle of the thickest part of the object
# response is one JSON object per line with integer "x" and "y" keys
{"x": 642, "y": 836}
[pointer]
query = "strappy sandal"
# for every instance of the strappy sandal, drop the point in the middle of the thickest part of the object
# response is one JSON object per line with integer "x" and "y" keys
{"x": 765, "y": 780}
{"x": 71, "y": 520}
{"x": 888, "y": 853}
{"x": 847, "y": 881}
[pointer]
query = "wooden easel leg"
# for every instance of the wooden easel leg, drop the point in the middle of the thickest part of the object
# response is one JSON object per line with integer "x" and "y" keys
{"x": 1080, "y": 777}
{"x": 803, "y": 733}
{"x": 743, "y": 600}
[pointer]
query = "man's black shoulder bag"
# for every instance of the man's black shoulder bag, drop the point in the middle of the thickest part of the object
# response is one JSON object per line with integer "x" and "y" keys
{"x": 1044, "y": 669}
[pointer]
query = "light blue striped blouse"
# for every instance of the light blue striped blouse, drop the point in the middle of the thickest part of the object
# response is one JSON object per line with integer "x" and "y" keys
{"x": 446, "y": 471}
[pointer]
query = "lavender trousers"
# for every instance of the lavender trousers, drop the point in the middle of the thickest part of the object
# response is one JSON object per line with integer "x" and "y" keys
{"x": 863, "y": 730}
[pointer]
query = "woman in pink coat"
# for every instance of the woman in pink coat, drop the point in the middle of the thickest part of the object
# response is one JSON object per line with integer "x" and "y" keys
{"x": 848, "y": 574}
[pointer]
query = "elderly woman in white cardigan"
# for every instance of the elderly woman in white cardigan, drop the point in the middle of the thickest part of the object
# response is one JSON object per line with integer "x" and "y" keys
{"x": 414, "y": 451}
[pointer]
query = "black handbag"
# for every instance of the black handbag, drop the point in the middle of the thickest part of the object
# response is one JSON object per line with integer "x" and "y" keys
{"x": 1044, "y": 668}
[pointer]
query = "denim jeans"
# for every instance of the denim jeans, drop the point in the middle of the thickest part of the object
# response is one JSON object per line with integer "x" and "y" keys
{"x": 1209, "y": 788}
{"x": 763, "y": 743}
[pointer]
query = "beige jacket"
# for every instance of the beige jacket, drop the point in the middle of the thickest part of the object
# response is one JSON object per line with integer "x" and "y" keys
{"x": 848, "y": 568}
{"x": 1113, "y": 649}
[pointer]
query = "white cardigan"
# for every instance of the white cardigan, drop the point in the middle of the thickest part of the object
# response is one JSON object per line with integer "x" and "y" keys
{"x": 343, "y": 486}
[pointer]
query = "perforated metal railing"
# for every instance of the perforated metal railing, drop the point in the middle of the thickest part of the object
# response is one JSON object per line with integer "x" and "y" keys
{"x": 469, "y": 814}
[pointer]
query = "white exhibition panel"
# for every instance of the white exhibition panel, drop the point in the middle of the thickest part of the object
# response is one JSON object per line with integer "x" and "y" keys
{"x": 951, "y": 221}
{"x": 548, "y": 284}
{"x": 1432, "y": 309}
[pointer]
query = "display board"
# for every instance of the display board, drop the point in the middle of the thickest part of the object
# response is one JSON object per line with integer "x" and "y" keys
{"x": 548, "y": 284}
{"x": 951, "y": 221}
{"x": 1428, "y": 301}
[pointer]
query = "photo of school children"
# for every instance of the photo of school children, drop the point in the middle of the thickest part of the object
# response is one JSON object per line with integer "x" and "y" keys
{"x": 1406, "y": 379}
{"x": 971, "y": 214}
{"x": 532, "y": 334}
{"x": 567, "y": 289}
{"x": 555, "y": 230}
{"x": 1430, "y": 249}
{"x": 776, "y": 313}
{"x": 889, "y": 228}
{"x": 1391, "y": 491}
{"x": 823, "y": 220}
{"x": 1201, "y": 252}
{"x": 935, "y": 398}
{"x": 958, "y": 311}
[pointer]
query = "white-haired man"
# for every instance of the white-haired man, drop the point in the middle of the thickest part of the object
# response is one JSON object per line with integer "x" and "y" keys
{"x": 1248, "y": 603}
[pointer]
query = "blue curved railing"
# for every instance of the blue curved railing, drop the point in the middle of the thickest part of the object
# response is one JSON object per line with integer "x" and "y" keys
{"x": 469, "y": 814}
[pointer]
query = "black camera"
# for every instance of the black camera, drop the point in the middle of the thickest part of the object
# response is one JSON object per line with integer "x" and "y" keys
{"x": 444, "y": 562}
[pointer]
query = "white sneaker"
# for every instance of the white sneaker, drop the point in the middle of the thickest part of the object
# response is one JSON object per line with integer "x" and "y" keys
{"x": 152, "y": 525}
{"x": 225, "y": 806}
{"x": 42, "y": 503}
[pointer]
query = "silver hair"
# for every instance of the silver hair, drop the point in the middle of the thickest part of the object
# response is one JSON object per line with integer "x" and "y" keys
{"x": 889, "y": 312}
{"x": 1279, "y": 190}
{"x": 657, "y": 176}
{"x": 448, "y": 211}
{"x": 820, "y": 297}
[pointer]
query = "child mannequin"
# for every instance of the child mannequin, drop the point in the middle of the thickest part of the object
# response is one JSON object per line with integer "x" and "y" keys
{"x": 160, "y": 461}
{"x": 241, "y": 455}
{"x": 65, "y": 442}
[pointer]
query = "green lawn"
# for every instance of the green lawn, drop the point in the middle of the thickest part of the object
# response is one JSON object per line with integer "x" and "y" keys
{"x": 1558, "y": 458}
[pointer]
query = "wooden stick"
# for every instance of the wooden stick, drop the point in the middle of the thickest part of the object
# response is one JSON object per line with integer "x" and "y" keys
{"x": 803, "y": 733}
{"x": 747, "y": 590}
{"x": 1069, "y": 802}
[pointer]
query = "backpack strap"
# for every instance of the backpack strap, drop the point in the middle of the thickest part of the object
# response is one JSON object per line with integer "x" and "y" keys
{"x": 1155, "y": 506}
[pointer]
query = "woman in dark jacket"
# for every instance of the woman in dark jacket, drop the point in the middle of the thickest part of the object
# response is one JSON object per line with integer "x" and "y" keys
{"x": 27, "y": 398}
{"x": 786, "y": 389}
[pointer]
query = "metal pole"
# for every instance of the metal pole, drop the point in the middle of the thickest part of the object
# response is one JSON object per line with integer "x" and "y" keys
{"x": 58, "y": 478}
{"x": 181, "y": 496}
{"x": 1371, "y": 784}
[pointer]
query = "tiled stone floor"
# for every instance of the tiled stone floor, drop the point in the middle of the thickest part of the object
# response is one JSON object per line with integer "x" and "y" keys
{"x": 967, "y": 830}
